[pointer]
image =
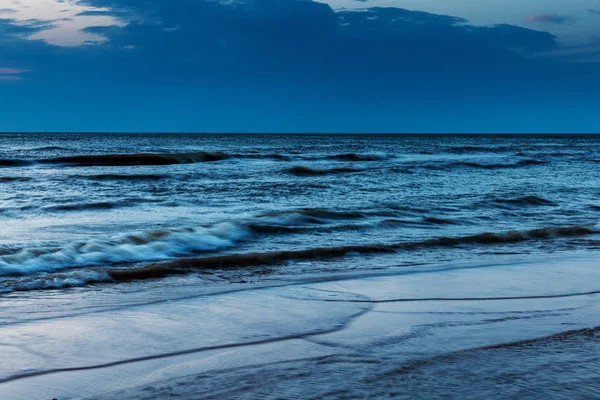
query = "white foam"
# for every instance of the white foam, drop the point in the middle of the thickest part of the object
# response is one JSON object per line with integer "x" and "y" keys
{"x": 148, "y": 246}
{"x": 74, "y": 279}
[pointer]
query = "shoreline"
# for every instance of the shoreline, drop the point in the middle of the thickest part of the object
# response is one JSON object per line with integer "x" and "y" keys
{"x": 159, "y": 348}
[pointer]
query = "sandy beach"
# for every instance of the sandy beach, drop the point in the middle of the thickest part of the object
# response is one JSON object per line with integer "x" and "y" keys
{"x": 386, "y": 336}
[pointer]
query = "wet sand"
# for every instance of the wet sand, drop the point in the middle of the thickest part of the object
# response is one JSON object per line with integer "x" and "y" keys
{"x": 448, "y": 331}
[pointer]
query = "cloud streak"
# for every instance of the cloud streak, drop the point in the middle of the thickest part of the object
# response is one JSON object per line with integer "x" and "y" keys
{"x": 549, "y": 19}
{"x": 11, "y": 74}
{"x": 10, "y": 78}
{"x": 12, "y": 71}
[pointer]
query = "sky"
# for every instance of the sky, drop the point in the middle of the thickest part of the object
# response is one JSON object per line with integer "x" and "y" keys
{"x": 382, "y": 66}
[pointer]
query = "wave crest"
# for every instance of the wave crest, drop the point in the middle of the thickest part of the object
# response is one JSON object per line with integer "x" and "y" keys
{"x": 137, "y": 159}
{"x": 307, "y": 171}
{"x": 182, "y": 266}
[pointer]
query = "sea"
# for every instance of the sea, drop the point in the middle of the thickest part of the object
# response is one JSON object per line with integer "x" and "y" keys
{"x": 128, "y": 215}
{"x": 82, "y": 209}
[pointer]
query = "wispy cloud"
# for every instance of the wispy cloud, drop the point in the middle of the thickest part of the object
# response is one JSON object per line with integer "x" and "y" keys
{"x": 10, "y": 78}
{"x": 59, "y": 22}
{"x": 595, "y": 11}
{"x": 12, "y": 71}
{"x": 549, "y": 19}
{"x": 12, "y": 74}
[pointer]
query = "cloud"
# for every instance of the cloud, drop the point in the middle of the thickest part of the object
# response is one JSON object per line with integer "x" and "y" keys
{"x": 11, "y": 74}
{"x": 10, "y": 78}
{"x": 56, "y": 22}
{"x": 282, "y": 43}
{"x": 12, "y": 71}
{"x": 290, "y": 61}
{"x": 549, "y": 19}
{"x": 595, "y": 11}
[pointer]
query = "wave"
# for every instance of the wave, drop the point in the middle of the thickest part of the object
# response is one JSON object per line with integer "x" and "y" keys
{"x": 154, "y": 159}
{"x": 438, "y": 221}
{"x": 137, "y": 159}
{"x": 55, "y": 281}
{"x": 45, "y": 148}
{"x": 478, "y": 149}
{"x": 179, "y": 158}
{"x": 278, "y": 157}
{"x": 143, "y": 247}
{"x": 23, "y": 267}
{"x": 162, "y": 244}
{"x": 167, "y": 244}
{"x": 14, "y": 179}
{"x": 182, "y": 266}
{"x": 7, "y": 162}
{"x": 307, "y": 171}
{"x": 470, "y": 164}
{"x": 319, "y": 215}
{"x": 395, "y": 222}
{"x": 526, "y": 201}
{"x": 120, "y": 177}
{"x": 101, "y": 205}
{"x": 359, "y": 157}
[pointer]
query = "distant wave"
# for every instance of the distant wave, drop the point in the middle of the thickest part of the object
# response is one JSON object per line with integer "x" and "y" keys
{"x": 307, "y": 171}
{"x": 152, "y": 159}
{"x": 6, "y": 162}
{"x": 321, "y": 215}
{"x": 137, "y": 159}
{"x": 121, "y": 177}
{"x": 14, "y": 179}
{"x": 180, "y": 158}
{"x": 182, "y": 266}
{"x": 480, "y": 149}
{"x": 49, "y": 148}
{"x": 481, "y": 165}
{"x": 359, "y": 157}
{"x": 438, "y": 221}
{"x": 526, "y": 201}
{"x": 101, "y": 205}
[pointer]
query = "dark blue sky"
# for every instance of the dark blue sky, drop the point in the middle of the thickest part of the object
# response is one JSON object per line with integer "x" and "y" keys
{"x": 300, "y": 65}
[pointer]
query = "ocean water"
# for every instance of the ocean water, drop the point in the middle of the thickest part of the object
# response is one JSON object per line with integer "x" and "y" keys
{"x": 81, "y": 209}
{"x": 149, "y": 266}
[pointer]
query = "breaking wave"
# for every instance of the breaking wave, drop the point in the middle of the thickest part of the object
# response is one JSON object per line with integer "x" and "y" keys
{"x": 162, "y": 244}
{"x": 168, "y": 245}
{"x": 182, "y": 266}
{"x": 148, "y": 246}
{"x": 55, "y": 280}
